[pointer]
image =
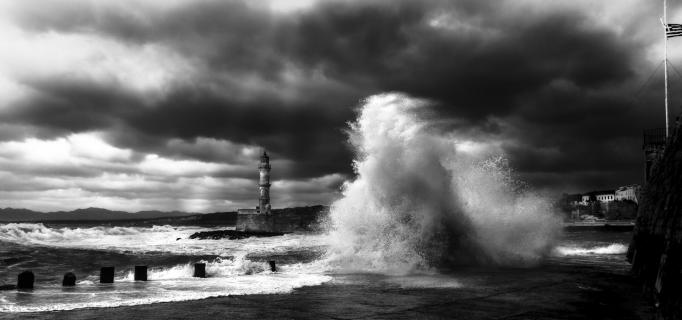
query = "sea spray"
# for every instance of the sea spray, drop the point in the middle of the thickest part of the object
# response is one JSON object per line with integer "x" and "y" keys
{"x": 424, "y": 199}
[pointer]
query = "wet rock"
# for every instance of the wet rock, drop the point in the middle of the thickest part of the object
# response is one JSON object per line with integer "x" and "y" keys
{"x": 232, "y": 234}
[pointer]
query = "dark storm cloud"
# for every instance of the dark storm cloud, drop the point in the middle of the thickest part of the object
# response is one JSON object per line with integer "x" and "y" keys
{"x": 472, "y": 76}
{"x": 300, "y": 132}
{"x": 71, "y": 105}
{"x": 557, "y": 77}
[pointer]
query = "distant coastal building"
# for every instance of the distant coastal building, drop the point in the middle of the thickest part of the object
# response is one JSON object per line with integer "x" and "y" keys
{"x": 619, "y": 204}
{"x": 263, "y": 188}
{"x": 628, "y": 193}
{"x": 606, "y": 196}
{"x": 601, "y": 196}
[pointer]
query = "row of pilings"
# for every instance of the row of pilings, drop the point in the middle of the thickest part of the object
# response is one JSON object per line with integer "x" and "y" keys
{"x": 656, "y": 248}
{"x": 26, "y": 279}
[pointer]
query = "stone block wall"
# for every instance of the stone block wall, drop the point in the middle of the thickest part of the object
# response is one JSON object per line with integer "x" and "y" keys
{"x": 656, "y": 248}
{"x": 300, "y": 219}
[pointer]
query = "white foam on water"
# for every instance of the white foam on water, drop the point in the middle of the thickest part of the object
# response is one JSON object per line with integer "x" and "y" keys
{"x": 146, "y": 239}
{"x": 218, "y": 268}
{"x": 424, "y": 197}
{"x": 611, "y": 249}
{"x": 134, "y": 239}
{"x": 420, "y": 198}
{"x": 132, "y": 293}
{"x": 229, "y": 274}
{"x": 225, "y": 277}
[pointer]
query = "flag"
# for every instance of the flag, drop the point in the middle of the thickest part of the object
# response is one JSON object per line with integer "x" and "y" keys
{"x": 673, "y": 30}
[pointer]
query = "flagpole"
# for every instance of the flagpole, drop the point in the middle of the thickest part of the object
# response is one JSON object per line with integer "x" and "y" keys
{"x": 665, "y": 60}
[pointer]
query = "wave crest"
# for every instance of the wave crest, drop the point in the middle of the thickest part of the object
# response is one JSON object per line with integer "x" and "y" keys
{"x": 614, "y": 248}
{"x": 96, "y": 237}
{"x": 423, "y": 199}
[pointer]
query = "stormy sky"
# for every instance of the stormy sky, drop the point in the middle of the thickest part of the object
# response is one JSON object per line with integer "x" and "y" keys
{"x": 166, "y": 104}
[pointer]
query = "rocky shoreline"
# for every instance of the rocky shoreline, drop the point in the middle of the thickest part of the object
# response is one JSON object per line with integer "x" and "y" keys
{"x": 232, "y": 234}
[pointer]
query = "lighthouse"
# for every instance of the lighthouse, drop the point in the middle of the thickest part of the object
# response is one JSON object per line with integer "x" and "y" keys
{"x": 264, "y": 184}
{"x": 262, "y": 219}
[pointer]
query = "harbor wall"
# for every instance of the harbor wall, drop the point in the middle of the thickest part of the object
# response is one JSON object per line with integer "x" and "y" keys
{"x": 288, "y": 220}
{"x": 656, "y": 248}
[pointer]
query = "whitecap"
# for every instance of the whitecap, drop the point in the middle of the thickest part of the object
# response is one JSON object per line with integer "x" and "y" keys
{"x": 611, "y": 249}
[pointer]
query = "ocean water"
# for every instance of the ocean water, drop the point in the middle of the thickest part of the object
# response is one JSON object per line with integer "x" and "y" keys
{"x": 234, "y": 267}
{"x": 426, "y": 209}
{"x": 167, "y": 251}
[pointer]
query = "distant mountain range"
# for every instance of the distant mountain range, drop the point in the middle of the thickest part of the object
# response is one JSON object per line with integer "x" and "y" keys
{"x": 88, "y": 214}
{"x": 99, "y": 216}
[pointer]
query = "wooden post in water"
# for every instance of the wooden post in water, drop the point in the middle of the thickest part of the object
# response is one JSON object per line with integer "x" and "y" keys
{"x": 69, "y": 280}
{"x": 200, "y": 270}
{"x": 25, "y": 280}
{"x": 140, "y": 273}
{"x": 106, "y": 275}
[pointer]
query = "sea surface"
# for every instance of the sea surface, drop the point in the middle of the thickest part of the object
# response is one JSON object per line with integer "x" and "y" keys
{"x": 234, "y": 267}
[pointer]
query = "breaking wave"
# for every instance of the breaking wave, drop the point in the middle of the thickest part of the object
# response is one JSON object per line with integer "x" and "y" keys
{"x": 167, "y": 239}
{"x": 95, "y": 237}
{"x": 423, "y": 199}
{"x": 216, "y": 268}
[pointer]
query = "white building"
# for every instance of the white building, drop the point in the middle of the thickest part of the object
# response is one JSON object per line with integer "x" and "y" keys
{"x": 601, "y": 196}
{"x": 606, "y": 196}
{"x": 627, "y": 193}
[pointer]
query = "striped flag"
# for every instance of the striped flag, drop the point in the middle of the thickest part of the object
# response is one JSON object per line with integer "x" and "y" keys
{"x": 673, "y": 30}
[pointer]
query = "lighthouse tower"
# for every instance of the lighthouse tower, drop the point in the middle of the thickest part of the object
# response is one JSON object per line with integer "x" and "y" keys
{"x": 264, "y": 184}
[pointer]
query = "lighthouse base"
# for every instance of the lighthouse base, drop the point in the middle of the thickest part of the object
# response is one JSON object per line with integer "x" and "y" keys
{"x": 287, "y": 220}
{"x": 251, "y": 221}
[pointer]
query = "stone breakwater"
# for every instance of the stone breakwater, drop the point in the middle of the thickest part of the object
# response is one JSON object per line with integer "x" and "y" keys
{"x": 656, "y": 248}
{"x": 277, "y": 223}
{"x": 232, "y": 234}
{"x": 287, "y": 220}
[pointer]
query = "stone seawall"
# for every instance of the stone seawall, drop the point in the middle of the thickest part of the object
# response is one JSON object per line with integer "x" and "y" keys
{"x": 300, "y": 219}
{"x": 656, "y": 248}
